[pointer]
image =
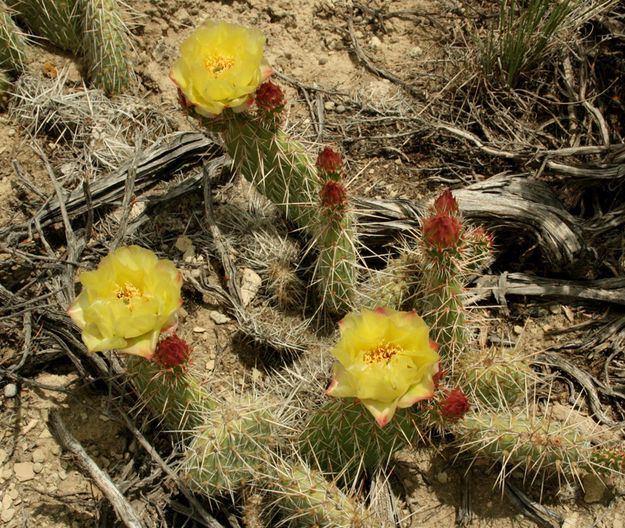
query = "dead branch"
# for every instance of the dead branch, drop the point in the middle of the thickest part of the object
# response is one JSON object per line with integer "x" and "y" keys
{"x": 122, "y": 507}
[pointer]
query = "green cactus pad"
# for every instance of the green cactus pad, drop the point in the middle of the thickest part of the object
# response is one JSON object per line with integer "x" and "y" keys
{"x": 230, "y": 447}
{"x": 343, "y": 438}
{"x": 496, "y": 377}
{"x": 302, "y": 497}
{"x": 174, "y": 396}
{"x": 529, "y": 443}
{"x": 56, "y": 20}
{"x": 278, "y": 167}
{"x": 106, "y": 45}
{"x": 12, "y": 42}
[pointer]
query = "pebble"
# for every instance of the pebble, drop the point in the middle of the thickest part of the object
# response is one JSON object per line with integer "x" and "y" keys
{"x": 23, "y": 471}
{"x": 37, "y": 467}
{"x": 199, "y": 329}
{"x": 595, "y": 489}
{"x": 323, "y": 60}
{"x": 571, "y": 521}
{"x": 340, "y": 109}
{"x": 329, "y": 105}
{"x": 7, "y": 501}
{"x": 442, "y": 477}
{"x": 218, "y": 317}
{"x": 10, "y": 390}
{"x": 375, "y": 42}
{"x": 38, "y": 455}
{"x": 210, "y": 365}
{"x": 55, "y": 450}
{"x": 7, "y": 515}
{"x": 3, "y": 456}
{"x": 62, "y": 474}
{"x": 250, "y": 284}
{"x": 518, "y": 329}
{"x": 415, "y": 52}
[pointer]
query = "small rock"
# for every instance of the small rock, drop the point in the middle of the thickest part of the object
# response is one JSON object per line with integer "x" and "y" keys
{"x": 571, "y": 521}
{"x": 210, "y": 365}
{"x": 218, "y": 317}
{"x": 62, "y": 474}
{"x": 415, "y": 52}
{"x": 329, "y": 105}
{"x": 39, "y": 455}
{"x": 56, "y": 450}
{"x": 7, "y": 501}
{"x": 199, "y": 329}
{"x": 323, "y": 60}
{"x": 185, "y": 244}
{"x": 23, "y": 471}
{"x": 256, "y": 374}
{"x": 375, "y": 42}
{"x": 7, "y": 515}
{"x": 518, "y": 329}
{"x": 10, "y": 390}
{"x": 3, "y": 456}
{"x": 595, "y": 489}
{"x": 555, "y": 309}
{"x": 250, "y": 284}
{"x": 442, "y": 477}
{"x": 37, "y": 467}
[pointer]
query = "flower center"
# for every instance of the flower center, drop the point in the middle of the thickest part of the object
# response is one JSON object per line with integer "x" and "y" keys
{"x": 127, "y": 293}
{"x": 382, "y": 353}
{"x": 218, "y": 65}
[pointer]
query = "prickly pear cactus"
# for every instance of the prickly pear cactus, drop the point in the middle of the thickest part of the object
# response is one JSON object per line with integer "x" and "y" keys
{"x": 303, "y": 497}
{"x": 495, "y": 377}
{"x": 335, "y": 238}
{"x": 343, "y": 439}
{"x": 58, "y": 21}
{"x": 231, "y": 446}
{"x": 173, "y": 395}
{"x": 518, "y": 440}
{"x": 106, "y": 44}
{"x": 12, "y": 42}
{"x": 277, "y": 166}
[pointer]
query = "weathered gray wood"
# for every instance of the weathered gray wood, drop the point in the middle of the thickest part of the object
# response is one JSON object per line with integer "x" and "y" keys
{"x": 511, "y": 202}
{"x": 605, "y": 290}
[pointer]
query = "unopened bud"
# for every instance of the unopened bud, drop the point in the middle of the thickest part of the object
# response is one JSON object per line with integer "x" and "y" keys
{"x": 446, "y": 204}
{"x": 455, "y": 405}
{"x": 333, "y": 194}
{"x": 442, "y": 231}
{"x": 329, "y": 161}
{"x": 171, "y": 352}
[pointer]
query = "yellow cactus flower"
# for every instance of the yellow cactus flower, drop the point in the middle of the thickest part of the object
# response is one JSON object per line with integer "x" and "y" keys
{"x": 220, "y": 66}
{"x": 127, "y": 301}
{"x": 386, "y": 360}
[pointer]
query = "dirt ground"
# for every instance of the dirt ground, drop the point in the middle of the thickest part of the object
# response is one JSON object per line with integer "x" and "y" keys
{"x": 308, "y": 41}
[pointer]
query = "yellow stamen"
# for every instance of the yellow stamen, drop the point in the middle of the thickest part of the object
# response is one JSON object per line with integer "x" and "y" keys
{"x": 383, "y": 353}
{"x": 128, "y": 292}
{"x": 218, "y": 65}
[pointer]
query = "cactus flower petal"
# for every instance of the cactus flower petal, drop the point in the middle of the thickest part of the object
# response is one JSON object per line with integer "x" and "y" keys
{"x": 220, "y": 66}
{"x": 384, "y": 359}
{"x": 127, "y": 301}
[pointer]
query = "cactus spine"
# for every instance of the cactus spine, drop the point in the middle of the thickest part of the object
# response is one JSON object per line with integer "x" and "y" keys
{"x": 106, "y": 45}
{"x": 12, "y": 42}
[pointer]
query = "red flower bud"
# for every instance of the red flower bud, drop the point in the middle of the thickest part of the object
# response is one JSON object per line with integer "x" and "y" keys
{"x": 172, "y": 352}
{"x": 329, "y": 161}
{"x": 270, "y": 97}
{"x": 333, "y": 194}
{"x": 442, "y": 231}
{"x": 455, "y": 405}
{"x": 446, "y": 203}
